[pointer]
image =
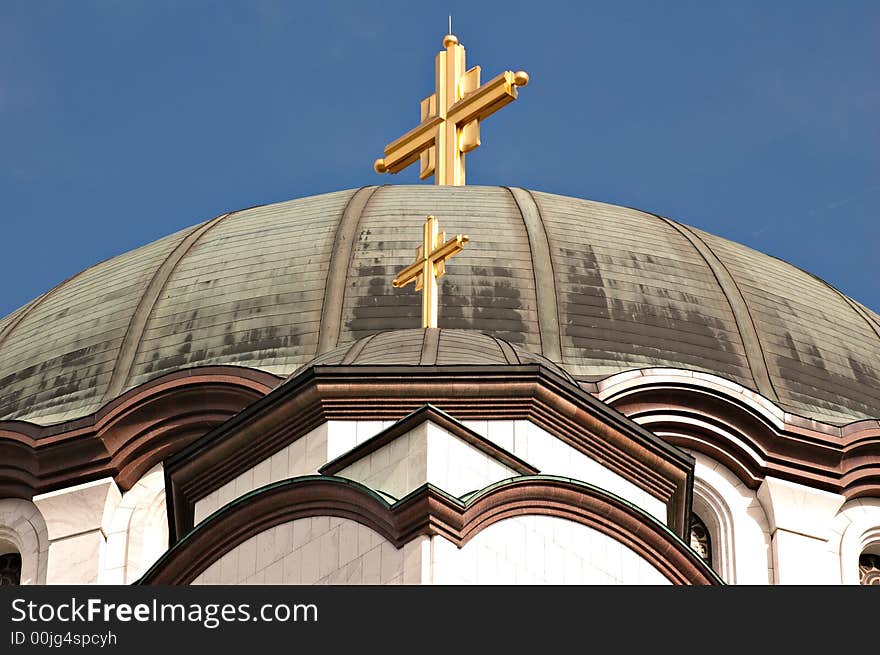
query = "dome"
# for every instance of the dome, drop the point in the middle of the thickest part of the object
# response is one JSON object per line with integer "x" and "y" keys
{"x": 596, "y": 288}
{"x": 431, "y": 347}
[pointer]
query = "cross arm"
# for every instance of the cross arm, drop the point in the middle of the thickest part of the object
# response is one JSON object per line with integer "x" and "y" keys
{"x": 450, "y": 248}
{"x": 403, "y": 151}
{"x": 408, "y": 274}
{"x": 489, "y": 98}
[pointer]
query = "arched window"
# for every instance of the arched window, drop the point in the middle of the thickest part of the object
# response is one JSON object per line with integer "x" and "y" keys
{"x": 10, "y": 570}
{"x": 869, "y": 567}
{"x": 700, "y": 540}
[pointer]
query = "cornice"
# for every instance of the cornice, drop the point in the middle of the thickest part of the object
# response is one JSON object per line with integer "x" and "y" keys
{"x": 527, "y": 392}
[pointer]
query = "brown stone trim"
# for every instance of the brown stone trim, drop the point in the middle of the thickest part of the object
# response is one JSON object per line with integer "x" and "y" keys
{"x": 129, "y": 435}
{"x": 411, "y": 421}
{"x": 531, "y": 392}
{"x": 700, "y": 418}
{"x": 428, "y": 511}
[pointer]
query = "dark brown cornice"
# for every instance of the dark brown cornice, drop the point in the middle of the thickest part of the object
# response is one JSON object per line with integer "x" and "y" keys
{"x": 128, "y": 435}
{"x": 528, "y": 392}
{"x": 439, "y": 418}
{"x": 429, "y": 511}
{"x": 844, "y": 460}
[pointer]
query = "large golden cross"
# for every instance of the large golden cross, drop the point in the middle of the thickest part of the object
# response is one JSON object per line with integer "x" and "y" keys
{"x": 451, "y": 118}
{"x": 430, "y": 264}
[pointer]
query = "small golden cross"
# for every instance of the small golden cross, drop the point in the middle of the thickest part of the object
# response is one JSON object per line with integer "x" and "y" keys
{"x": 427, "y": 268}
{"x": 451, "y": 118}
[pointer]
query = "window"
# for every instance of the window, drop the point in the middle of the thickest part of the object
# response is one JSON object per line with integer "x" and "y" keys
{"x": 700, "y": 540}
{"x": 869, "y": 569}
{"x": 10, "y": 570}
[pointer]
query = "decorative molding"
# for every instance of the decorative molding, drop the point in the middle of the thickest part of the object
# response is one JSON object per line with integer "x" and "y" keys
{"x": 749, "y": 435}
{"x": 128, "y": 436}
{"x": 429, "y": 511}
{"x": 527, "y": 392}
{"x": 428, "y": 413}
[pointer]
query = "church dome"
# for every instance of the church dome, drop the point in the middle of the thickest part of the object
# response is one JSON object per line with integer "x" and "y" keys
{"x": 596, "y": 288}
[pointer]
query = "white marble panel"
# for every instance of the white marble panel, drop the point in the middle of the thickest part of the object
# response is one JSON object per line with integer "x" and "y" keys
{"x": 303, "y": 457}
{"x": 552, "y": 456}
{"x": 317, "y": 550}
{"x": 138, "y": 531}
{"x": 77, "y": 559}
{"x": 535, "y": 549}
{"x": 427, "y": 453}
{"x": 83, "y": 507}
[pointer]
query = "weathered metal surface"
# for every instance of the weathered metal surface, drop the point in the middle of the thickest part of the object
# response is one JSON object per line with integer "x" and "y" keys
{"x": 631, "y": 291}
{"x": 824, "y": 352}
{"x": 634, "y": 293}
{"x": 448, "y": 347}
{"x": 248, "y": 293}
{"x": 57, "y": 361}
{"x": 489, "y": 286}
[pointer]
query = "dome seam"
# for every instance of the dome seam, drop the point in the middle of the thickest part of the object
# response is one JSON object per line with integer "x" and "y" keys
{"x": 750, "y": 338}
{"x": 354, "y": 350}
{"x": 849, "y": 301}
{"x": 544, "y": 275}
{"x": 131, "y": 342}
{"x": 330, "y": 319}
{"x": 430, "y": 346}
{"x": 36, "y": 302}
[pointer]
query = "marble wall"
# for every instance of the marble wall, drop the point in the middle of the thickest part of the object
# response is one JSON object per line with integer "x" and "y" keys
{"x": 519, "y": 550}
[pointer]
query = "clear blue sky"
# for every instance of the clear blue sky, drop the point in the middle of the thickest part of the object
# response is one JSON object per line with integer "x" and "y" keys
{"x": 121, "y": 122}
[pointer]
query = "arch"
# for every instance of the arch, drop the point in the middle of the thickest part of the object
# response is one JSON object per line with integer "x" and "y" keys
{"x": 857, "y": 529}
{"x": 736, "y": 521}
{"x": 138, "y": 530}
{"x": 129, "y": 435}
{"x": 428, "y": 511}
{"x": 22, "y": 529}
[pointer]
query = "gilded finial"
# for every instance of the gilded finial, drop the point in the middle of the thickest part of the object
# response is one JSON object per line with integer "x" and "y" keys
{"x": 451, "y": 116}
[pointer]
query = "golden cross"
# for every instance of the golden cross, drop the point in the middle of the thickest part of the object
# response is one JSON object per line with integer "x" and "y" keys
{"x": 451, "y": 118}
{"x": 428, "y": 267}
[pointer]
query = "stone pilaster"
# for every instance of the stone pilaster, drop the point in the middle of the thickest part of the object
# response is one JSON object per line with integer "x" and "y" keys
{"x": 801, "y": 520}
{"x": 77, "y": 519}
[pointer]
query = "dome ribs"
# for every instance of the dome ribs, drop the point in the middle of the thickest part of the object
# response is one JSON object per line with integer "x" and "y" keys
{"x": 744, "y": 323}
{"x": 545, "y": 278}
{"x": 340, "y": 259}
{"x": 613, "y": 289}
{"x": 430, "y": 347}
{"x": 135, "y": 332}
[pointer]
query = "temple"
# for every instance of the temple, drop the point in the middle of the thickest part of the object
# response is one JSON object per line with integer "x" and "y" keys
{"x": 318, "y": 392}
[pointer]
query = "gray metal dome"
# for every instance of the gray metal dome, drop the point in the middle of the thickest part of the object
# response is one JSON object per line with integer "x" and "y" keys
{"x": 596, "y": 288}
{"x": 431, "y": 347}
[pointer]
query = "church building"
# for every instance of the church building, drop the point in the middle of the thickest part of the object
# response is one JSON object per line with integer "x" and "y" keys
{"x": 441, "y": 384}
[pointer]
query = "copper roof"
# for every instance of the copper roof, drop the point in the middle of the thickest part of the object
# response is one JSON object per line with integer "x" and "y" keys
{"x": 596, "y": 288}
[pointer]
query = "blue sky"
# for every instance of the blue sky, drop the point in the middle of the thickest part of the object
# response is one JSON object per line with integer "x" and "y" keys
{"x": 124, "y": 121}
